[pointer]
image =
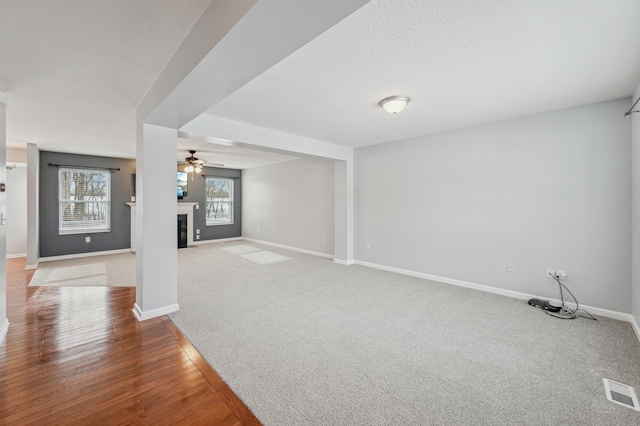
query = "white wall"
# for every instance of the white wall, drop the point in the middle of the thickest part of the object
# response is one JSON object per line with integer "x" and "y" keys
{"x": 4, "y": 322}
{"x": 16, "y": 155}
{"x": 292, "y": 203}
{"x": 545, "y": 191}
{"x": 17, "y": 211}
{"x": 635, "y": 123}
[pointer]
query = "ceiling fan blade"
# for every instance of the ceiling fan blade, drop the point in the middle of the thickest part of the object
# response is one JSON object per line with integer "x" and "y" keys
{"x": 195, "y": 161}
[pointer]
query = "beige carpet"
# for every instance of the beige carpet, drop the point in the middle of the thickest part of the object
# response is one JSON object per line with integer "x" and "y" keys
{"x": 304, "y": 341}
{"x": 114, "y": 270}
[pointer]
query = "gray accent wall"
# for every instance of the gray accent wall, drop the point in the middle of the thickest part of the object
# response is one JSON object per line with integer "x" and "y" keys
{"x": 196, "y": 194}
{"x": 122, "y": 188}
{"x": 545, "y": 191}
{"x": 292, "y": 204}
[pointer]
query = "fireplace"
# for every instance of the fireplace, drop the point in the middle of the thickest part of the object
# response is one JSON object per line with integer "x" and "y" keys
{"x": 182, "y": 230}
{"x": 184, "y": 209}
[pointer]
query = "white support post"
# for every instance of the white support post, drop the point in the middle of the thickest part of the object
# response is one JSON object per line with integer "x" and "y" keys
{"x": 4, "y": 322}
{"x": 156, "y": 221}
{"x": 33, "y": 206}
{"x": 344, "y": 212}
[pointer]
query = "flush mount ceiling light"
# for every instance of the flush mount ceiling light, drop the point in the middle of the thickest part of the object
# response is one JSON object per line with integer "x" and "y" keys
{"x": 394, "y": 104}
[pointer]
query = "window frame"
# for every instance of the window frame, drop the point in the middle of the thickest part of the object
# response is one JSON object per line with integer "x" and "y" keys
{"x": 231, "y": 202}
{"x": 62, "y": 203}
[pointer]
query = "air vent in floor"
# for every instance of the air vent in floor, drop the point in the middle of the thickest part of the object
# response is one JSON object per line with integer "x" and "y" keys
{"x": 621, "y": 394}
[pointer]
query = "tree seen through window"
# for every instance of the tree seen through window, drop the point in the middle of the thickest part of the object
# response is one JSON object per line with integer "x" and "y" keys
{"x": 219, "y": 201}
{"x": 84, "y": 199}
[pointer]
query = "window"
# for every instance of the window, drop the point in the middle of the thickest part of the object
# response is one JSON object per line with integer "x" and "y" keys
{"x": 219, "y": 194}
{"x": 84, "y": 200}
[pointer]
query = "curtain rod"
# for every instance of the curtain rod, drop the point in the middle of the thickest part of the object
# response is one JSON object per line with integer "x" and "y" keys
{"x": 221, "y": 177}
{"x": 84, "y": 167}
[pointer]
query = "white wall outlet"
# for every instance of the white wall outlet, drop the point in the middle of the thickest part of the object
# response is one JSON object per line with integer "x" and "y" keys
{"x": 561, "y": 274}
{"x": 367, "y": 246}
{"x": 197, "y": 206}
{"x": 133, "y": 199}
{"x": 197, "y": 232}
{"x": 87, "y": 239}
{"x": 197, "y": 237}
{"x": 511, "y": 267}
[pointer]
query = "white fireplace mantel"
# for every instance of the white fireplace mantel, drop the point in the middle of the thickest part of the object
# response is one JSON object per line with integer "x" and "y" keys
{"x": 183, "y": 208}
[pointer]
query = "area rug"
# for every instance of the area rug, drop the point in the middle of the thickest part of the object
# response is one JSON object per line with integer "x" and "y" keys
{"x": 113, "y": 270}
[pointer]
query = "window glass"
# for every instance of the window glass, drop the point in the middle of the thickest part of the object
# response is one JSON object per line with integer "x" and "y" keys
{"x": 84, "y": 200}
{"x": 219, "y": 202}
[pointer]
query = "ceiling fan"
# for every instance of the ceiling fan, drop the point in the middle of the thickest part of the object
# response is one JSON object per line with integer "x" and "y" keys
{"x": 194, "y": 164}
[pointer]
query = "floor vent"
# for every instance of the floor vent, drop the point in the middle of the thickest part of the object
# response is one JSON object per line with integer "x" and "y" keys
{"x": 621, "y": 394}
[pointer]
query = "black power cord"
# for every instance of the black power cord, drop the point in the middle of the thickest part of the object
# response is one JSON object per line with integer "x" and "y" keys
{"x": 566, "y": 312}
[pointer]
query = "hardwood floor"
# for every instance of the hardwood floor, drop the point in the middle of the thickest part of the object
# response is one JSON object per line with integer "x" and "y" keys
{"x": 78, "y": 356}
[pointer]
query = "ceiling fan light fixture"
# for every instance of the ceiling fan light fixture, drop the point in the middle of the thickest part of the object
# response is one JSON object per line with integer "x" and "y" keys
{"x": 192, "y": 163}
{"x": 394, "y": 104}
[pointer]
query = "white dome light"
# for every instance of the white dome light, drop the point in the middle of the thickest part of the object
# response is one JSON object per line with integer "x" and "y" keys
{"x": 394, "y": 104}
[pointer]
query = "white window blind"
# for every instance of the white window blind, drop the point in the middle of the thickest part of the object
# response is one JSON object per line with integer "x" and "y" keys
{"x": 84, "y": 200}
{"x": 219, "y": 202}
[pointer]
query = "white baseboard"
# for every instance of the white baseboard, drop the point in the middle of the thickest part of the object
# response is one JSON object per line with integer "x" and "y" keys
{"x": 4, "y": 328}
{"x": 219, "y": 240}
{"x": 509, "y": 293}
{"x": 30, "y": 267}
{"x": 153, "y": 313}
{"x": 344, "y": 262}
{"x": 16, "y": 256}
{"x": 635, "y": 326}
{"x": 282, "y": 246}
{"x": 80, "y": 255}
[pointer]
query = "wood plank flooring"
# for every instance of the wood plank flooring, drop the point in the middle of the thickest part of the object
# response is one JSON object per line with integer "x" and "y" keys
{"x": 78, "y": 356}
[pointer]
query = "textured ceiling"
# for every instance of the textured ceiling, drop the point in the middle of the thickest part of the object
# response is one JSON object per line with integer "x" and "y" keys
{"x": 74, "y": 70}
{"x": 462, "y": 63}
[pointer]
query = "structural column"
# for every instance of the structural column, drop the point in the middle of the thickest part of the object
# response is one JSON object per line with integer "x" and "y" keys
{"x": 4, "y": 322}
{"x": 156, "y": 221}
{"x": 33, "y": 206}
{"x": 344, "y": 212}
{"x": 635, "y": 214}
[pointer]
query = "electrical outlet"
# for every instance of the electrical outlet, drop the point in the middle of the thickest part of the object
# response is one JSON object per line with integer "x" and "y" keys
{"x": 197, "y": 237}
{"x": 197, "y": 206}
{"x": 87, "y": 239}
{"x": 511, "y": 267}
{"x": 558, "y": 273}
{"x": 197, "y": 232}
